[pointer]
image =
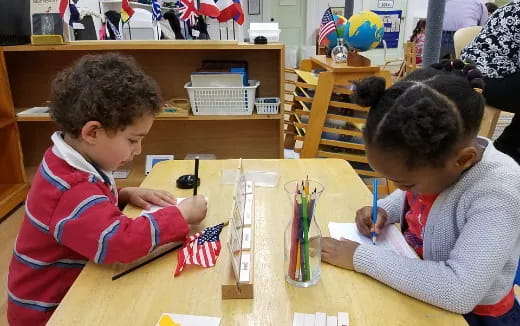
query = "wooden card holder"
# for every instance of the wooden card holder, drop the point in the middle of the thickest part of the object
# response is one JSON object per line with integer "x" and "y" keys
{"x": 238, "y": 281}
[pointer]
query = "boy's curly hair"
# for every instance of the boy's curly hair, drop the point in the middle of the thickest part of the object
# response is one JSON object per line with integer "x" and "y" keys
{"x": 109, "y": 88}
{"x": 424, "y": 116}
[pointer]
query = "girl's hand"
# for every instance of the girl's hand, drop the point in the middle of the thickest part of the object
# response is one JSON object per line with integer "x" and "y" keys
{"x": 364, "y": 220}
{"x": 338, "y": 252}
{"x": 144, "y": 198}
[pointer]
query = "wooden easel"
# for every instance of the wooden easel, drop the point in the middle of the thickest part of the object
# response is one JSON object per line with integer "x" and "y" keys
{"x": 238, "y": 283}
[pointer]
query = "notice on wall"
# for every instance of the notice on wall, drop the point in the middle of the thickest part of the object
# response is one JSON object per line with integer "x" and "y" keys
{"x": 385, "y": 4}
{"x": 392, "y": 25}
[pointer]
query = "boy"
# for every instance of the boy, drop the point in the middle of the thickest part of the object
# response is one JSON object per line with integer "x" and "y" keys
{"x": 105, "y": 105}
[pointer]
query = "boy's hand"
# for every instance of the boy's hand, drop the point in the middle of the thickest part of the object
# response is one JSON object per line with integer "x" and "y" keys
{"x": 364, "y": 220}
{"x": 338, "y": 252}
{"x": 193, "y": 209}
{"x": 143, "y": 198}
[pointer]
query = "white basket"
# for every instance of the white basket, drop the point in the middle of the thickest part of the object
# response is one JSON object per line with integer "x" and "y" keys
{"x": 222, "y": 100}
{"x": 267, "y": 108}
{"x": 271, "y": 35}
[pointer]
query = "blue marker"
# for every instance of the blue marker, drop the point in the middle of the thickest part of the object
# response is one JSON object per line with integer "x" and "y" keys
{"x": 374, "y": 210}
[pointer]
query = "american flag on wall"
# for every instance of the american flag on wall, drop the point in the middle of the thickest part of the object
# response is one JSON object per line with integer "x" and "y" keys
{"x": 327, "y": 25}
{"x": 200, "y": 249}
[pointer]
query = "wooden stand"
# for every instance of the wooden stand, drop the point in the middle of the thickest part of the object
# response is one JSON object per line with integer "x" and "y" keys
{"x": 233, "y": 290}
{"x": 355, "y": 59}
{"x": 238, "y": 282}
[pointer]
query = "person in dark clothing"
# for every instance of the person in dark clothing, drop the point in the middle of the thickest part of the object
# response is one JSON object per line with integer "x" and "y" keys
{"x": 495, "y": 51}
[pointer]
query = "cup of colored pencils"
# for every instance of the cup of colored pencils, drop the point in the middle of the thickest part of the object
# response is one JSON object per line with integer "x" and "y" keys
{"x": 302, "y": 237}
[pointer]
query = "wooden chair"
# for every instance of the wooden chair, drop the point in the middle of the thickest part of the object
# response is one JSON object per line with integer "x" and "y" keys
{"x": 409, "y": 60}
{"x": 326, "y": 123}
{"x": 461, "y": 38}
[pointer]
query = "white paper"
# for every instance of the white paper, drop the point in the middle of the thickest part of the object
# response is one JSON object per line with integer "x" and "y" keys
{"x": 390, "y": 238}
{"x": 155, "y": 208}
{"x": 192, "y": 320}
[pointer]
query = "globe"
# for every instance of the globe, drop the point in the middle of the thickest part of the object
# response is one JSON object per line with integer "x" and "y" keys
{"x": 332, "y": 39}
{"x": 364, "y": 31}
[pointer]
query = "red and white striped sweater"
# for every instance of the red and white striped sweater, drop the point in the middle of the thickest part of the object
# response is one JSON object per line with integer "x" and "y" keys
{"x": 72, "y": 217}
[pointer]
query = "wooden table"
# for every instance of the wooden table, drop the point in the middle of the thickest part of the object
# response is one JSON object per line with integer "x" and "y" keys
{"x": 140, "y": 298}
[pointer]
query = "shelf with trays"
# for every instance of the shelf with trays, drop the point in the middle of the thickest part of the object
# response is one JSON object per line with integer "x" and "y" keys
{"x": 26, "y": 74}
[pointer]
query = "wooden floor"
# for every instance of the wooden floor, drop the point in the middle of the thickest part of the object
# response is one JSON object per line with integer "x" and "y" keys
{"x": 8, "y": 231}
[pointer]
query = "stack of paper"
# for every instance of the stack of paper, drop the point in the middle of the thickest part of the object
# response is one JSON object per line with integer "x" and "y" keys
{"x": 390, "y": 238}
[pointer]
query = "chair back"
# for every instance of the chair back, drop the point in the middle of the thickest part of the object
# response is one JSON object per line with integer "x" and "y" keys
{"x": 328, "y": 124}
{"x": 463, "y": 37}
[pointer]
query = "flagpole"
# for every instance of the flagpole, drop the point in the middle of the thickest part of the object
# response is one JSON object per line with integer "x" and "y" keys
{"x": 129, "y": 28}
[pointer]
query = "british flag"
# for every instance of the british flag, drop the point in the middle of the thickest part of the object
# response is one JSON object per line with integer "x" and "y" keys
{"x": 189, "y": 12}
{"x": 200, "y": 249}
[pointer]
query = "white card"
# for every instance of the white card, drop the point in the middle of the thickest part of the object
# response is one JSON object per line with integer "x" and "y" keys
{"x": 343, "y": 319}
{"x": 245, "y": 267}
{"x": 320, "y": 319}
{"x": 332, "y": 321}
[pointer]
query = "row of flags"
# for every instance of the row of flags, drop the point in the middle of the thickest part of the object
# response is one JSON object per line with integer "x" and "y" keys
{"x": 222, "y": 10}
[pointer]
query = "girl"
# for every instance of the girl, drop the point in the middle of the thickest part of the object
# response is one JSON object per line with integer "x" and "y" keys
{"x": 418, "y": 38}
{"x": 457, "y": 202}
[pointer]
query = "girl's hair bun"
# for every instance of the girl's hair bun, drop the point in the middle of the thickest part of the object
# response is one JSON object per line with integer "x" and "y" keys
{"x": 369, "y": 91}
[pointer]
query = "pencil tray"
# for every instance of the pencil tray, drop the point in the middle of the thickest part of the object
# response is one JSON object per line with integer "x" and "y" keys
{"x": 267, "y": 105}
{"x": 222, "y": 100}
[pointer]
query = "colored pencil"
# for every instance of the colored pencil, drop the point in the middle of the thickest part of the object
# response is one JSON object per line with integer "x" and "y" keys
{"x": 374, "y": 210}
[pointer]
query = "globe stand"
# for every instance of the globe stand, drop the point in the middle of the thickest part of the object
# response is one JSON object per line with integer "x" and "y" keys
{"x": 357, "y": 60}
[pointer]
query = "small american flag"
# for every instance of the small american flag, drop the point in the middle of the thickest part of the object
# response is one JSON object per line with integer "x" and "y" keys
{"x": 327, "y": 25}
{"x": 200, "y": 249}
{"x": 188, "y": 12}
{"x": 156, "y": 11}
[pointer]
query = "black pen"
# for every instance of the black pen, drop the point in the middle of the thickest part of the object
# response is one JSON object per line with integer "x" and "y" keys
{"x": 196, "y": 176}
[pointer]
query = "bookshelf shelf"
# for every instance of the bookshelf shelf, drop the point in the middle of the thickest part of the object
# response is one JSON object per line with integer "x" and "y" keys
{"x": 27, "y": 71}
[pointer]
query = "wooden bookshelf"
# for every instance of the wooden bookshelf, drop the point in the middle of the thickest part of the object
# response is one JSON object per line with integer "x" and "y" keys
{"x": 27, "y": 71}
{"x": 13, "y": 187}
